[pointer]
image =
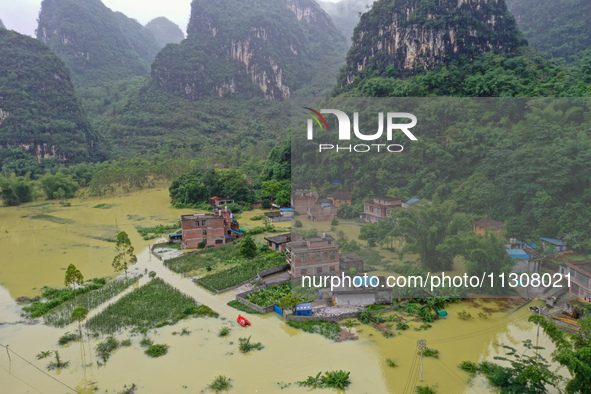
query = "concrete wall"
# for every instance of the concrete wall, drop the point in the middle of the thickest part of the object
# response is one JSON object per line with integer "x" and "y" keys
{"x": 349, "y": 315}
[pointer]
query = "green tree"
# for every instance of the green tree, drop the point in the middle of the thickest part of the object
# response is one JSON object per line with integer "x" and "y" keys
{"x": 248, "y": 247}
{"x": 125, "y": 253}
{"x": 78, "y": 315}
{"x": 426, "y": 228}
{"x": 573, "y": 352}
{"x": 73, "y": 277}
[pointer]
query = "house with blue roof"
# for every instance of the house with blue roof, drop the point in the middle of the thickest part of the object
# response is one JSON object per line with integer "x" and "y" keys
{"x": 553, "y": 243}
{"x": 523, "y": 261}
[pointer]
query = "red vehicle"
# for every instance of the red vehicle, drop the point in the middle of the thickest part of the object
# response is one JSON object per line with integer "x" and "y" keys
{"x": 242, "y": 321}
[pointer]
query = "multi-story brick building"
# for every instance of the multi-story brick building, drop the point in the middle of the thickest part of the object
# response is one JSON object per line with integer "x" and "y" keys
{"x": 321, "y": 213}
{"x": 311, "y": 256}
{"x": 379, "y": 208}
{"x": 300, "y": 201}
{"x": 580, "y": 278}
{"x": 215, "y": 229}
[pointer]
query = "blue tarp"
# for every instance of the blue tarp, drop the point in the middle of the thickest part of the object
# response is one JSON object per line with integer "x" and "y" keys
{"x": 517, "y": 254}
{"x": 234, "y": 231}
{"x": 413, "y": 200}
{"x": 325, "y": 205}
{"x": 304, "y": 309}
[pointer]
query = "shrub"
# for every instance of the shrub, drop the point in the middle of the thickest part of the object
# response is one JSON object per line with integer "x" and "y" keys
{"x": 464, "y": 315}
{"x": 391, "y": 363}
{"x": 334, "y": 222}
{"x": 265, "y": 203}
{"x": 105, "y": 348}
{"x": 430, "y": 353}
{"x": 58, "y": 363}
{"x": 125, "y": 343}
{"x": 201, "y": 245}
{"x": 334, "y": 379}
{"x": 298, "y": 224}
{"x": 224, "y": 331}
{"x": 146, "y": 342}
{"x": 426, "y": 390}
{"x": 245, "y": 346}
{"x": 220, "y": 383}
{"x": 156, "y": 350}
{"x": 67, "y": 338}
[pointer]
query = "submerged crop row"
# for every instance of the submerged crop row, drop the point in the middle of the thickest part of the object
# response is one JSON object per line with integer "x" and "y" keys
{"x": 61, "y": 315}
{"x": 153, "y": 305}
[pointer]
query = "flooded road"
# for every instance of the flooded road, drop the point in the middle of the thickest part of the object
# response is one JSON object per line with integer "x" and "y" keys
{"x": 194, "y": 360}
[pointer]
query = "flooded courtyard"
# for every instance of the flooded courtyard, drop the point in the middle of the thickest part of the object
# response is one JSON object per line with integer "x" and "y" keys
{"x": 39, "y": 240}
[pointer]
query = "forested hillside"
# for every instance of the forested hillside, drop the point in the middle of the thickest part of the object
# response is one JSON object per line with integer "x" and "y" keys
{"x": 98, "y": 45}
{"x": 39, "y": 111}
{"x": 559, "y": 28}
{"x": 165, "y": 31}
{"x": 528, "y": 168}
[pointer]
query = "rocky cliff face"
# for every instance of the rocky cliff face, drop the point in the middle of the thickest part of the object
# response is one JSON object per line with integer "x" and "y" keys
{"x": 414, "y": 35}
{"x": 97, "y": 44}
{"x": 254, "y": 47}
{"x": 39, "y": 111}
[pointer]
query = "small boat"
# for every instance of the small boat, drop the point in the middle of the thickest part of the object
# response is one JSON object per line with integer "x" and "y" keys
{"x": 534, "y": 309}
{"x": 242, "y": 321}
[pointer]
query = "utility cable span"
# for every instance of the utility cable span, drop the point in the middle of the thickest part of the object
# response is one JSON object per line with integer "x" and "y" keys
{"x": 37, "y": 368}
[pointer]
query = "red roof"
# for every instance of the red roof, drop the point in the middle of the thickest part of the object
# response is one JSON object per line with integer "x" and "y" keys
{"x": 216, "y": 198}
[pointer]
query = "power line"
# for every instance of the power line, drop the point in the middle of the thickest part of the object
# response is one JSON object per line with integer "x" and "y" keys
{"x": 412, "y": 365}
{"x": 37, "y": 368}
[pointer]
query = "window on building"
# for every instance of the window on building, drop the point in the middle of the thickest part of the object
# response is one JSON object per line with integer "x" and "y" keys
{"x": 583, "y": 278}
{"x": 203, "y": 222}
{"x": 196, "y": 223}
{"x": 204, "y": 232}
{"x": 304, "y": 271}
{"x": 303, "y": 258}
{"x": 332, "y": 256}
{"x": 219, "y": 241}
{"x": 318, "y": 270}
{"x": 318, "y": 257}
{"x": 332, "y": 269}
{"x": 276, "y": 246}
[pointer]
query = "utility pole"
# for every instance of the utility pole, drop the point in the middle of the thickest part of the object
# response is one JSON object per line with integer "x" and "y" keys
{"x": 422, "y": 344}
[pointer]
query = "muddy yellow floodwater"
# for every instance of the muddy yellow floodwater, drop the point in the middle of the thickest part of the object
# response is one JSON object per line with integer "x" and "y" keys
{"x": 35, "y": 252}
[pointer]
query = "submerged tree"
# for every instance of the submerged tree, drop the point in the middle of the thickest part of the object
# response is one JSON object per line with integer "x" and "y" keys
{"x": 125, "y": 253}
{"x": 73, "y": 277}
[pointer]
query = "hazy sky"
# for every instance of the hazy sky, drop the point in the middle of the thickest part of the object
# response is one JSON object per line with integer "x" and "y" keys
{"x": 21, "y": 15}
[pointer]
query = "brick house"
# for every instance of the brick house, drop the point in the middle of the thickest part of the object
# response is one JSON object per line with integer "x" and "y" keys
{"x": 379, "y": 208}
{"x": 321, "y": 213}
{"x": 580, "y": 278}
{"x": 215, "y": 229}
{"x": 300, "y": 201}
{"x": 312, "y": 256}
{"x": 340, "y": 198}
{"x": 490, "y": 225}
{"x": 278, "y": 243}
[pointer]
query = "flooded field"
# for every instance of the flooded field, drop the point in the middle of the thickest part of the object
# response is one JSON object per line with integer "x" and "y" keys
{"x": 35, "y": 252}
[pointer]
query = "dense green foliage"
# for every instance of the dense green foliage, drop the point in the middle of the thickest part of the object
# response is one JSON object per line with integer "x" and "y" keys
{"x": 201, "y": 185}
{"x": 16, "y": 190}
{"x": 521, "y": 161}
{"x": 52, "y": 298}
{"x": 325, "y": 328}
{"x": 335, "y": 379}
{"x": 154, "y": 304}
{"x": 165, "y": 31}
{"x": 270, "y": 296}
{"x": 527, "y": 373}
{"x": 525, "y": 73}
{"x": 39, "y": 111}
{"x": 98, "y": 45}
{"x": 558, "y": 27}
{"x": 573, "y": 352}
